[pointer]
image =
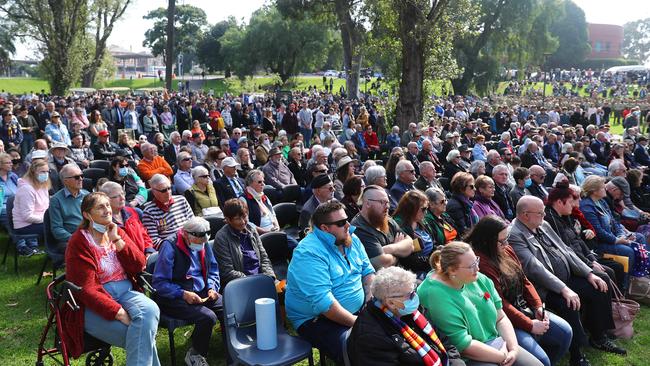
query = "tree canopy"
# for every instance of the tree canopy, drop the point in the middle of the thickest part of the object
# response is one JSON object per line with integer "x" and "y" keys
{"x": 570, "y": 28}
{"x": 636, "y": 41}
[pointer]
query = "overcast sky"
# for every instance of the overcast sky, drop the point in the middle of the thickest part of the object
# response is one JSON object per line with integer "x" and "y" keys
{"x": 129, "y": 32}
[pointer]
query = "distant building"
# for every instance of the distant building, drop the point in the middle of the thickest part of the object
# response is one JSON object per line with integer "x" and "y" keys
{"x": 606, "y": 40}
{"x": 135, "y": 63}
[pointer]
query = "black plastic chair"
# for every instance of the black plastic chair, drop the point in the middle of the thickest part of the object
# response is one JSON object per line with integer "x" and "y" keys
{"x": 240, "y": 329}
{"x": 100, "y": 164}
{"x": 94, "y": 174}
{"x": 276, "y": 247}
{"x": 14, "y": 238}
{"x": 287, "y": 216}
{"x": 57, "y": 259}
{"x": 216, "y": 223}
{"x": 291, "y": 193}
{"x": 445, "y": 183}
{"x": 88, "y": 184}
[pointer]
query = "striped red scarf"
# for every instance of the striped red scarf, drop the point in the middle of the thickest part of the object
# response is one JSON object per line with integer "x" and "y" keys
{"x": 428, "y": 354}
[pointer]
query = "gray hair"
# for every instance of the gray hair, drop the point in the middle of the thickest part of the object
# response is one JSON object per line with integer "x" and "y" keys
{"x": 476, "y": 164}
{"x": 66, "y": 170}
{"x": 401, "y": 166}
{"x": 196, "y": 225}
{"x": 389, "y": 280}
{"x": 251, "y": 176}
{"x": 174, "y": 134}
{"x": 615, "y": 165}
{"x": 182, "y": 155}
{"x": 338, "y": 153}
{"x": 368, "y": 164}
{"x": 146, "y": 146}
{"x": 198, "y": 171}
{"x": 187, "y": 133}
{"x": 434, "y": 194}
{"x": 499, "y": 168}
{"x": 452, "y": 155}
{"x": 110, "y": 187}
{"x": 505, "y": 134}
{"x": 157, "y": 179}
{"x": 373, "y": 173}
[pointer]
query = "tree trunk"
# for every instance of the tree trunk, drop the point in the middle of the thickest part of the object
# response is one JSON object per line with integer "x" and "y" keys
{"x": 352, "y": 56}
{"x": 169, "y": 59}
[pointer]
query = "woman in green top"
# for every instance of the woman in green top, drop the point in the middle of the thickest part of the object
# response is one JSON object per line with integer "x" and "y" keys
{"x": 465, "y": 306}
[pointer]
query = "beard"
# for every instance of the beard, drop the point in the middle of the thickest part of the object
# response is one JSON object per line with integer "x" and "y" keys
{"x": 378, "y": 220}
{"x": 347, "y": 241}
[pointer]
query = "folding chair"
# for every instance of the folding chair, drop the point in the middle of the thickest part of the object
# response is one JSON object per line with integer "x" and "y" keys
{"x": 276, "y": 247}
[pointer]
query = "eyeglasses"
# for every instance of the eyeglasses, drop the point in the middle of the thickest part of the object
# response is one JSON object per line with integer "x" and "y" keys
{"x": 338, "y": 223}
{"x": 76, "y": 177}
{"x": 163, "y": 190}
{"x": 542, "y": 214}
{"x": 410, "y": 295}
{"x": 187, "y": 159}
{"x": 121, "y": 195}
{"x": 321, "y": 171}
{"x": 474, "y": 266}
{"x": 204, "y": 176}
{"x": 199, "y": 234}
{"x": 412, "y": 171}
{"x": 259, "y": 182}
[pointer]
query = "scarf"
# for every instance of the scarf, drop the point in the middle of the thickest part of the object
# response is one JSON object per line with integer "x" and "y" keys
{"x": 261, "y": 200}
{"x": 429, "y": 356}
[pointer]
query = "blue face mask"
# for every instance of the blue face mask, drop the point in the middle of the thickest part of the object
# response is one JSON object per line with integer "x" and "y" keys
{"x": 196, "y": 247}
{"x": 99, "y": 227}
{"x": 123, "y": 172}
{"x": 410, "y": 305}
{"x": 528, "y": 182}
{"x": 43, "y": 177}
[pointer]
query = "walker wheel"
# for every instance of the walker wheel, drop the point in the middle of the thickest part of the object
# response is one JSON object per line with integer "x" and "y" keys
{"x": 99, "y": 358}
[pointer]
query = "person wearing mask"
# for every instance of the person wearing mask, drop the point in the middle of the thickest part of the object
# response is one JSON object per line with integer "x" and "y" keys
{"x": 134, "y": 188}
{"x": 240, "y": 252}
{"x": 391, "y": 330}
{"x": 104, "y": 261}
{"x": 187, "y": 283}
{"x": 545, "y": 335}
{"x": 65, "y": 215}
{"x": 465, "y": 306}
{"x": 127, "y": 218}
{"x": 562, "y": 280}
{"x": 30, "y": 203}
{"x": 522, "y": 179}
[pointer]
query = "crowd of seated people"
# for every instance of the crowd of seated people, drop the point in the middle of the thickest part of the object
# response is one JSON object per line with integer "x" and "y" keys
{"x": 478, "y": 237}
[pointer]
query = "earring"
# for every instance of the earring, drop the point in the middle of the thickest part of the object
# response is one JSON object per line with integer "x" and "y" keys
{"x": 453, "y": 276}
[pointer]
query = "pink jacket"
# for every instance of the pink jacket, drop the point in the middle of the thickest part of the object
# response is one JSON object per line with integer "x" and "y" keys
{"x": 30, "y": 204}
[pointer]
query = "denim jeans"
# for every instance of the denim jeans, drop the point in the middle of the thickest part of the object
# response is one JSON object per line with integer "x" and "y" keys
{"x": 524, "y": 358}
{"x": 139, "y": 337}
{"x": 33, "y": 229}
{"x": 306, "y": 132}
{"x": 552, "y": 345}
{"x": 325, "y": 335}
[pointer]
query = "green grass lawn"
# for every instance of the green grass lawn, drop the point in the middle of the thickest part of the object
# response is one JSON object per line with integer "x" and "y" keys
{"x": 23, "y": 316}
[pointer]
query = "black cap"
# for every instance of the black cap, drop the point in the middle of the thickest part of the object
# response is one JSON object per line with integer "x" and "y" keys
{"x": 320, "y": 181}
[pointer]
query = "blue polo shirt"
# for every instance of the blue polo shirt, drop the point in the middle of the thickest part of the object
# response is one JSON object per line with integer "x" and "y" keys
{"x": 318, "y": 274}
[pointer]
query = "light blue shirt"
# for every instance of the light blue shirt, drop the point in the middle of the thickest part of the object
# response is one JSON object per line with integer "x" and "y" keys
{"x": 319, "y": 274}
{"x": 58, "y": 133}
{"x": 183, "y": 181}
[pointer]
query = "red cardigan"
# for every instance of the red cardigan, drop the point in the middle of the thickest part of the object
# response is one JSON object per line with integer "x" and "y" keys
{"x": 135, "y": 230}
{"x": 518, "y": 319}
{"x": 81, "y": 269}
{"x": 371, "y": 139}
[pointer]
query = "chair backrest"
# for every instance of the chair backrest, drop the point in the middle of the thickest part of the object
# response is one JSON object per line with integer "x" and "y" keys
{"x": 50, "y": 240}
{"x": 276, "y": 246}
{"x": 445, "y": 183}
{"x": 239, "y": 299}
{"x": 291, "y": 193}
{"x": 10, "y": 213}
{"x": 94, "y": 174}
{"x": 216, "y": 223}
{"x": 88, "y": 184}
{"x": 286, "y": 213}
{"x": 101, "y": 164}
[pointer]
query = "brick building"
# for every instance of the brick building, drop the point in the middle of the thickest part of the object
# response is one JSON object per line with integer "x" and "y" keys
{"x": 606, "y": 40}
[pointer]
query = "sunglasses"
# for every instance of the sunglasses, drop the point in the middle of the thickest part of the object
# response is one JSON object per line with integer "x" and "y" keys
{"x": 470, "y": 186}
{"x": 199, "y": 234}
{"x": 259, "y": 182}
{"x": 321, "y": 171}
{"x": 204, "y": 176}
{"x": 410, "y": 296}
{"x": 187, "y": 159}
{"x": 164, "y": 190}
{"x": 76, "y": 177}
{"x": 339, "y": 223}
{"x": 124, "y": 165}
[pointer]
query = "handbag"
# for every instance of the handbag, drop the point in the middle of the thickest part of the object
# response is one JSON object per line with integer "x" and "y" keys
{"x": 623, "y": 311}
{"x": 640, "y": 289}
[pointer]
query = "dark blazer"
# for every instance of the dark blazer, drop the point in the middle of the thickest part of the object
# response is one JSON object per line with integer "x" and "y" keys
{"x": 641, "y": 155}
{"x": 170, "y": 154}
{"x": 225, "y": 191}
{"x": 227, "y": 250}
{"x": 460, "y": 213}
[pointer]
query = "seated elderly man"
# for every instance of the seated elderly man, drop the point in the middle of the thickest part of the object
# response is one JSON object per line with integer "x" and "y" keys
{"x": 427, "y": 177}
{"x": 328, "y": 281}
{"x": 186, "y": 280}
{"x": 376, "y": 176}
{"x": 166, "y": 214}
{"x": 537, "y": 177}
{"x": 183, "y": 178}
{"x": 58, "y": 158}
{"x": 405, "y": 177}
{"x": 276, "y": 172}
{"x": 323, "y": 190}
{"x": 229, "y": 185}
{"x": 65, "y": 210}
{"x": 564, "y": 282}
{"x": 152, "y": 164}
{"x": 127, "y": 218}
{"x": 199, "y": 149}
{"x": 381, "y": 236}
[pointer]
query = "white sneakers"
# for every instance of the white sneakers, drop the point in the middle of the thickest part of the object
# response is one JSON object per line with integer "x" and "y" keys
{"x": 194, "y": 359}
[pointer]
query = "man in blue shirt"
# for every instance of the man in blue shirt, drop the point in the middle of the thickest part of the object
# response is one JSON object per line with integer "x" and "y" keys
{"x": 328, "y": 281}
{"x": 186, "y": 279}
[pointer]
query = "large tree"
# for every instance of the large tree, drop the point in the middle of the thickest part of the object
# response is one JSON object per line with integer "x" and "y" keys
{"x": 105, "y": 13}
{"x": 7, "y": 47}
{"x": 350, "y": 18}
{"x": 209, "y": 50}
{"x": 636, "y": 41}
{"x": 189, "y": 24}
{"x": 282, "y": 45}
{"x": 59, "y": 28}
{"x": 570, "y": 28}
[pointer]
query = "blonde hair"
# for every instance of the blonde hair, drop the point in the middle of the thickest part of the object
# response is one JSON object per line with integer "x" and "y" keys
{"x": 591, "y": 184}
{"x": 32, "y": 173}
{"x": 446, "y": 258}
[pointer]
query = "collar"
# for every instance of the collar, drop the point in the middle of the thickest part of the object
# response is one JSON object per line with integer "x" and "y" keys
{"x": 164, "y": 206}
{"x": 328, "y": 238}
{"x": 67, "y": 192}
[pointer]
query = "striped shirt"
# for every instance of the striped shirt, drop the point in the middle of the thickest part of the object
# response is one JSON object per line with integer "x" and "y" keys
{"x": 162, "y": 224}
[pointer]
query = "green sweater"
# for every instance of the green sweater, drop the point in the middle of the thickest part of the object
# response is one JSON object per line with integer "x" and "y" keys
{"x": 463, "y": 315}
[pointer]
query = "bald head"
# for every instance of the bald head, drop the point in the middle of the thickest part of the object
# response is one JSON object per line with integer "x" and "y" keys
{"x": 530, "y": 211}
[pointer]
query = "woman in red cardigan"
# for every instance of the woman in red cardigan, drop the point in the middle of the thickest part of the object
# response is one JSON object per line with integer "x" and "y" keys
{"x": 543, "y": 334}
{"x": 103, "y": 261}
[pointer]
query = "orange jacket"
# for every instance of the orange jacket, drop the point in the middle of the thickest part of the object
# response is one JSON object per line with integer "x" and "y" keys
{"x": 157, "y": 166}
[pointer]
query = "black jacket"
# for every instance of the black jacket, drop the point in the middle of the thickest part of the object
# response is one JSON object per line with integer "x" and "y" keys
{"x": 374, "y": 340}
{"x": 564, "y": 227}
{"x": 224, "y": 189}
{"x": 460, "y": 213}
{"x": 502, "y": 198}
